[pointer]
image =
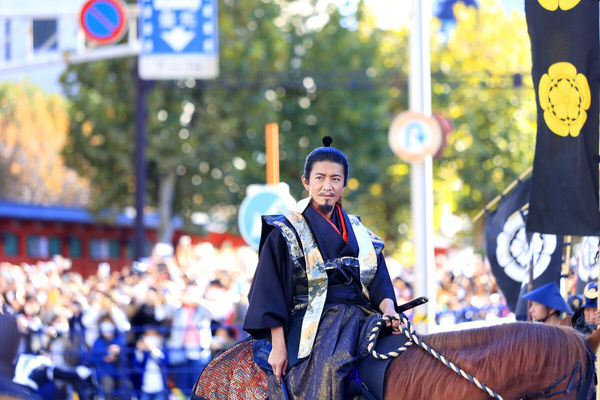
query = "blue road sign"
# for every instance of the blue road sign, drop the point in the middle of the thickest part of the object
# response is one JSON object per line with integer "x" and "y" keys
{"x": 261, "y": 200}
{"x": 179, "y": 39}
{"x": 103, "y": 21}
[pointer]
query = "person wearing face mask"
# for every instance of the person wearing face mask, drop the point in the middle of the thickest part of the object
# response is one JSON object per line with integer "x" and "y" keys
{"x": 189, "y": 340}
{"x": 9, "y": 343}
{"x": 59, "y": 349}
{"x": 151, "y": 361}
{"x": 31, "y": 326}
{"x": 109, "y": 359}
{"x": 35, "y": 376}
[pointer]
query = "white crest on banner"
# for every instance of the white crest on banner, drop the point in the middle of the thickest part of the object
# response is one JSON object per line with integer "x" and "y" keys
{"x": 587, "y": 269}
{"x": 513, "y": 252}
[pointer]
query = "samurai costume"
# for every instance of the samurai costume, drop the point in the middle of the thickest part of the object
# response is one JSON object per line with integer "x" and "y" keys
{"x": 320, "y": 279}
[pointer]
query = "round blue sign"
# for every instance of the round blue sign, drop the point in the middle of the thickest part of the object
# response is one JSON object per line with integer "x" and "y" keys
{"x": 103, "y": 21}
{"x": 266, "y": 201}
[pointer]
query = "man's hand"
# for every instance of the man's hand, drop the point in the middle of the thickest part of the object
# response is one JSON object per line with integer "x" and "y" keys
{"x": 387, "y": 309}
{"x": 278, "y": 358}
{"x": 596, "y": 318}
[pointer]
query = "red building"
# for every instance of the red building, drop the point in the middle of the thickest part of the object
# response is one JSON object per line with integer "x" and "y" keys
{"x": 30, "y": 233}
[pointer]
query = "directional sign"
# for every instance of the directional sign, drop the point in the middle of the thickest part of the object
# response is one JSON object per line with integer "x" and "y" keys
{"x": 413, "y": 136}
{"x": 179, "y": 39}
{"x": 262, "y": 200}
{"x": 103, "y": 21}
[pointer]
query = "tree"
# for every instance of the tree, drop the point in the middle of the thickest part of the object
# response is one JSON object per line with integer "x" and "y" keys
{"x": 33, "y": 127}
{"x": 344, "y": 92}
{"x": 342, "y": 77}
{"x": 482, "y": 81}
{"x": 206, "y": 140}
{"x": 200, "y": 134}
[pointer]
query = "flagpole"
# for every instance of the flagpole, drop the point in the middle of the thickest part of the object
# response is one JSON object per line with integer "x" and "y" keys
{"x": 496, "y": 199}
{"x": 565, "y": 267}
{"x": 529, "y": 285}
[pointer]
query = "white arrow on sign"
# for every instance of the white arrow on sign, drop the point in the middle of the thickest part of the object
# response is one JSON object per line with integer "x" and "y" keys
{"x": 178, "y": 38}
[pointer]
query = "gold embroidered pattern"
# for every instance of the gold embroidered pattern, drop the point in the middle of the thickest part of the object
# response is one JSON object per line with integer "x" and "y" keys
{"x": 317, "y": 283}
{"x": 290, "y": 239}
{"x": 367, "y": 257}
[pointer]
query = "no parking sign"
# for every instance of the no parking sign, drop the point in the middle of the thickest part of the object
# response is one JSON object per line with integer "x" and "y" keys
{"x": 262, "y": 200}
{"x": 103, "y": 21}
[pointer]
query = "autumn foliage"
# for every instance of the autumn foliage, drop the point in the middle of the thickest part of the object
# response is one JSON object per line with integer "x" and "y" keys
{"x": 33, "y": 127}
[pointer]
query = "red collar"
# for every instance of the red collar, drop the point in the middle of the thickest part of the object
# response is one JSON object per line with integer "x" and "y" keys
{"x": 344, "y": 232}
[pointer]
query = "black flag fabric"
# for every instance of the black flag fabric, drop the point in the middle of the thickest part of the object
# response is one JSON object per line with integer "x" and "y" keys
{"x": 510, "y": 248}
{"x": 565, "y": 68}
{"x": 587, "y": 262}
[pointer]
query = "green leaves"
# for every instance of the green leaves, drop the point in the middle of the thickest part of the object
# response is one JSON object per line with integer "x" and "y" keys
{"x": 342, "y": 79}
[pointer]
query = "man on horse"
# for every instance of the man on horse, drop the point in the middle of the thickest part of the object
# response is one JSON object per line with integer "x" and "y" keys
{"x": 321, "y": 273}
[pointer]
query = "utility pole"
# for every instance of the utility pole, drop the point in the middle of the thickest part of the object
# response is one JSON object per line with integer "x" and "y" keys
{"x": 421, "y": 173}
{"x": 140, "y": 165}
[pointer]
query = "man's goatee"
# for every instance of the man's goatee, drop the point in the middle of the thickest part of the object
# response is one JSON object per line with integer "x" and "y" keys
{"x": 325, "y": 208}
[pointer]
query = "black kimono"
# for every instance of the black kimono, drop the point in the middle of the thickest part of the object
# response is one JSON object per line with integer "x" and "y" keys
{"x": 322, "y": 373}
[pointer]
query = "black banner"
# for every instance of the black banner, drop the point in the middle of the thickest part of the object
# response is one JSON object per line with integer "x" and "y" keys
{"x": 587, "y": 262}
{"x": 564, "y": 50}
{"x": 510, "y": 248}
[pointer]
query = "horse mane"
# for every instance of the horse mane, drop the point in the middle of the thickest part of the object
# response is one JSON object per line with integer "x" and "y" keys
{"x": 499, "y": 356}
{"x": 497, "y": 339}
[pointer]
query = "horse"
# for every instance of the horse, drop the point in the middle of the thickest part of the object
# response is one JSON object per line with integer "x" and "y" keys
{"x": 520, "y": 360}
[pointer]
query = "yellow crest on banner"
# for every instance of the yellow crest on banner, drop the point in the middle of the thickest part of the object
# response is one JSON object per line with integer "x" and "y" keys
{"x": 564, "y": 5}
{"x": 564, "y": 96}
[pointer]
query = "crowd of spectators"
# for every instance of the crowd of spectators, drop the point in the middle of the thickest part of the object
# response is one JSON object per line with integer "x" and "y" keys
{"x": 146, "y": 331}
{"x": 466, "y": 290}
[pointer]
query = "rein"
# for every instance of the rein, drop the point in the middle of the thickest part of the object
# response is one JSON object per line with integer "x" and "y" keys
{"x": 412, "y": 338}
{"x": 569, "y": 387}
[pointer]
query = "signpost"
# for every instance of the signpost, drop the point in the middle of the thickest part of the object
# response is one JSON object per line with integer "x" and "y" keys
{"x": 414, "y": 136}
{"x": 272, "y": 145}
{"x": 421, "y": 172}
{"x": 179, "y": 39}
{"x": 272, "y": 198}
{"x": 103, "y": 21}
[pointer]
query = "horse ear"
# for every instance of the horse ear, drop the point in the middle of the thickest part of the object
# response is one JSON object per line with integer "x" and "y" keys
{"x": 594, "y": 340}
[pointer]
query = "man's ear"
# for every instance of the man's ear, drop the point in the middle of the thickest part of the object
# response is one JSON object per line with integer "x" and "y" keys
{"x": 304, "y": 182}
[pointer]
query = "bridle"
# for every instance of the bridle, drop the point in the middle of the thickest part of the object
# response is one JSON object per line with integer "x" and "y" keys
{"x": 571, "y": 386}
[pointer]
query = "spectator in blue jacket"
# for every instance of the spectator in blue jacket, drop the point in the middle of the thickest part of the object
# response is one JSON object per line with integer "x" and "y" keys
{"x": 109, "y": 359}
{"x": 151, "y": 361}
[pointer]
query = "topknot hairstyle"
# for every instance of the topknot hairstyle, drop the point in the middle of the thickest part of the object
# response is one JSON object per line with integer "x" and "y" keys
{"x": 326, "y": 153}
